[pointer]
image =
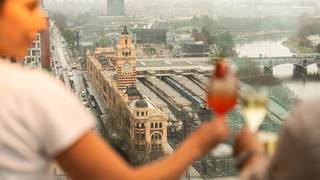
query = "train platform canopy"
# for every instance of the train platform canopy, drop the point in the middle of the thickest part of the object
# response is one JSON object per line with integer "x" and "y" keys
{"x": 153, "y": 97}
{"x": 200, "y": 64}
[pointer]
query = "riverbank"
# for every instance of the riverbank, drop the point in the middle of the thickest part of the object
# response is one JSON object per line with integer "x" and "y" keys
{"x": 261, "y": 35}
{"x": 295, "y": 48}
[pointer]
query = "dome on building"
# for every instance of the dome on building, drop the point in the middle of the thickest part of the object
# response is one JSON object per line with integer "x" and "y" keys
{"x": 133, "y": 91}
{"x": 141, "y": 104}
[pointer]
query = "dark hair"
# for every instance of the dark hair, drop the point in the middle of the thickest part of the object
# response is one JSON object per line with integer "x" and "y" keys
{"x": 1, "y": 3}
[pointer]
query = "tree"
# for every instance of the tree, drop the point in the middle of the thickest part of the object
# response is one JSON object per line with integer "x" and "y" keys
{"x": 194, "y": 31}
{"x": 60, "y": 20}
{"x": 70, "y": 36}
{"x": 225, "y": 44}
{"x": 200, "y": 37}
{"x": 104, "y": 42}
{"x": 205, "y": 33}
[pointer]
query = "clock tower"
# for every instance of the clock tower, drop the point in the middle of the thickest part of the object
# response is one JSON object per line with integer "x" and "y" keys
{"x": 125, "y": 61}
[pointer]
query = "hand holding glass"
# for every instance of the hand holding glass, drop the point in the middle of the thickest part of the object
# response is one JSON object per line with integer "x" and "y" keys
{"x": 254, "y": 108}
{"x": 223, "y": 91}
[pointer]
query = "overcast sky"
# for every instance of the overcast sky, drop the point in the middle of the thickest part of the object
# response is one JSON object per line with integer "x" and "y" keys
{"x": 189, "y": 7}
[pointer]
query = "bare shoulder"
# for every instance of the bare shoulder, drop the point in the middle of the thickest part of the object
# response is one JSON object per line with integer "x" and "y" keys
{"x": 17, "y": 81}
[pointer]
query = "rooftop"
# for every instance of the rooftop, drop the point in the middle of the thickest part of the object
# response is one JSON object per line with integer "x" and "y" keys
{"x": 104, "y": 50}
{"x": 148, "y": 104}
{"x": 174, "y": 63}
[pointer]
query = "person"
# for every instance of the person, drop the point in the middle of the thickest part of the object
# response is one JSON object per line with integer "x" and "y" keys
{"x": 298, "y": 151}
{"x": 42, "y": 123}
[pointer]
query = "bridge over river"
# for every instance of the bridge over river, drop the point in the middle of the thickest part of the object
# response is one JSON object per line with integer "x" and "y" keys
{"x": 300, "y": 62}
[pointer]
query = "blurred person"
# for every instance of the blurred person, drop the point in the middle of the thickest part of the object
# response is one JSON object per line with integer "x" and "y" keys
{"x": 42, "y": 123}
{"x": 297, "y": 155}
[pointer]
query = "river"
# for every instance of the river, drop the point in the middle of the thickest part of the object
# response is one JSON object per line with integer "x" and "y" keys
{"x": 273, "y": 47}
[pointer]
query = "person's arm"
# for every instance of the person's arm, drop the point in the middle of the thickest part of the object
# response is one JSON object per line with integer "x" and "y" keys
{"x": 92, "y": 159}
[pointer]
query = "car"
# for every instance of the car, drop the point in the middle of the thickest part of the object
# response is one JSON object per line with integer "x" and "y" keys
{"x": 86, "y": 104}
{"x": 83, "y": 93}
{"x": 91, "y": 98}
{"x": 93, "y": 104}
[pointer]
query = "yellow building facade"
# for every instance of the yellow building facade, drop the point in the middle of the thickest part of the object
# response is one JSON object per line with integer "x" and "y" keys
{"x": 141, "y": 123}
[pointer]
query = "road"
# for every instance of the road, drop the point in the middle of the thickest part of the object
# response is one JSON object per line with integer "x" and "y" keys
{"x": 73, "y": 78}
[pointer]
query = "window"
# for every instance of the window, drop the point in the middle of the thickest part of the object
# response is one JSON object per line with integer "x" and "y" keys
{"x": 34, "y": 53}
{"x": 126, "y": 42}
{"x": 156, "y": 136}
{"x": 156, "y": 147}
{"x": 137, "y": 113}
{"x": 140, "y": 136}
{"x": 160, "y": 125}
{"x": 156, "y": 125}
{"x": 142, "y": 113}
{"x": 138, "y": 147}
{"x": 140, "y": 125}
{"x": 143, "y": 136}
{"x": 151, "y": 125}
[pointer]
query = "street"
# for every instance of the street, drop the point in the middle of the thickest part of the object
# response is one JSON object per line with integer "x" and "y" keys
{"x": 74, "y": 79}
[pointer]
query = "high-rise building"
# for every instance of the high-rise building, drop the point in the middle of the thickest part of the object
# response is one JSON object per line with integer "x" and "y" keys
{"x": 116, "y": 8}
{"x": 33, "y": 58}
{"x": 45, "y": 45}
{"x": 38, "y": 56}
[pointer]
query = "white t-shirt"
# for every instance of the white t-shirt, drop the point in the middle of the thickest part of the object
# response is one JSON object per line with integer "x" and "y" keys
{"x": 38, "y": 120}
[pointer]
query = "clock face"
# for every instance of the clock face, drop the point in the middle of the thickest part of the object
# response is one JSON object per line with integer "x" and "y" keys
{"x": 127, "y": 66}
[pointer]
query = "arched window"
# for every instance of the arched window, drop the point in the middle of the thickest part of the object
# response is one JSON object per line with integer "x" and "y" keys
{"x": 156, "y": 136}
